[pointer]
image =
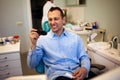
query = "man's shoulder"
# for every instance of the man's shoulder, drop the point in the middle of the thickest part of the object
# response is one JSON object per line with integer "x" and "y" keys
{"x": 72, "y": 34}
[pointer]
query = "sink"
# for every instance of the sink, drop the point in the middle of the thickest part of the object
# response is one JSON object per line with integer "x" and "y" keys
{"x": 104, "y": 49}
{"x": 113, "y": 55}
{"x": 101, "y": 45}
{"x": 104, "y": 45}
{"x": 113, "y": 52}
{"x": 102, "y": 53}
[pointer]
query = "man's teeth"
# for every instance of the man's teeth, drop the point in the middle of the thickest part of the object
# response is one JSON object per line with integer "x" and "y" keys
{"x": 54, "y": 26}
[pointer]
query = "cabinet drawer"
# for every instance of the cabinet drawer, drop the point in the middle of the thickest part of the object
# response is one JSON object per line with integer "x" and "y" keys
{"x": 11, "y": 72}
{"x": 10, "y": 56}
{"x": 9, "y": 65}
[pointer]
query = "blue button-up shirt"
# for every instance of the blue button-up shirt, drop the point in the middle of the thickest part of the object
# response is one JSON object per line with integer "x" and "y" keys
{"x": 60, "y": 54}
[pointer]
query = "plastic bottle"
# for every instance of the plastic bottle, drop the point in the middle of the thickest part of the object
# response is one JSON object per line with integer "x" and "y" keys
{"x": 94, "y": 26}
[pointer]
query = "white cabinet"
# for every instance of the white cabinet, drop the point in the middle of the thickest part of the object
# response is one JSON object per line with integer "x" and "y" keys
{"x": 97, "y": 57}
{"x": 10, "y": 62}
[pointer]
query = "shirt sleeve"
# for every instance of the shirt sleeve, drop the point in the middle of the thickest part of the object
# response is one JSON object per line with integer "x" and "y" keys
{"x": 33, "y": 58}
{"x": 84, "y": 58}
{"x": 85, "y": 62}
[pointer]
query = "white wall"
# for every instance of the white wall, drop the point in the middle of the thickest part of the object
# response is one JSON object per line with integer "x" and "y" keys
{"x": 106, "y": 13}
{"x": 11, "y": 12}
{"x": 75, "y": 14}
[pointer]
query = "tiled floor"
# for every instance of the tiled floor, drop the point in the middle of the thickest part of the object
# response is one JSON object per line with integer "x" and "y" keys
{"x": 25, "y": 69}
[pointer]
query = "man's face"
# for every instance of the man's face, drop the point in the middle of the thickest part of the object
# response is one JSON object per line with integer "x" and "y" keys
{"x": 56, "y": 21}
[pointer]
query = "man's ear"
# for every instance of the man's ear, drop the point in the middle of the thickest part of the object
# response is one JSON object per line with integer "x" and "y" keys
{"x": 64, "y": 20}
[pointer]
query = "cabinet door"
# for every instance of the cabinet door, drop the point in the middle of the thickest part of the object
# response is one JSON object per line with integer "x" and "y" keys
{"x": 5, "y": 65}
{"x": 10, "y": 56}
{"x": 11, "y": 72}
{"x": 10, "y": 65}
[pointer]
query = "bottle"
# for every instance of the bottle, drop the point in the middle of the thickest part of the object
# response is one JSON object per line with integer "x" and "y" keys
{"x": 7, "y": 40}
{"x": 1, "y": 41}
{"x": 94, "y": 26}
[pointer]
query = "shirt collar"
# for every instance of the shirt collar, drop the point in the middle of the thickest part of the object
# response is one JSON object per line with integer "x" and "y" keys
{"x": 53, "y": 35}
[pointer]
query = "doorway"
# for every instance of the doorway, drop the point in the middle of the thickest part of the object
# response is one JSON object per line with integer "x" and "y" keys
{"x": 37, "y": 13}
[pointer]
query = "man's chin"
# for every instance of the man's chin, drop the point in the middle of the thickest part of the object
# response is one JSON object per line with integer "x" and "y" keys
{"x": 54, "y": 30}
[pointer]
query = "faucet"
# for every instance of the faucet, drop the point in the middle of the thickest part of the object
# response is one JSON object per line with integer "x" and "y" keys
{"x": 115, "y": 42}
{"x": 92, "y": 37}
{"x": 111, "y": 44}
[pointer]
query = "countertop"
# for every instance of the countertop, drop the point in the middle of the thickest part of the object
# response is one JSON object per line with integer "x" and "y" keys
{"x": 10, "y": 48}
{"x": 86, "y": 32}
{"x": 33, "y": 77}
{"x": 99, "y": 50}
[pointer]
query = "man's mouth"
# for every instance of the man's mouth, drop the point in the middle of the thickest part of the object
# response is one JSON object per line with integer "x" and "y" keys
{"x": 54, "y": 26}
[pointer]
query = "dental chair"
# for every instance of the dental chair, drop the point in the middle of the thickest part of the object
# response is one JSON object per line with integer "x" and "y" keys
{"x": 95, "y": 70}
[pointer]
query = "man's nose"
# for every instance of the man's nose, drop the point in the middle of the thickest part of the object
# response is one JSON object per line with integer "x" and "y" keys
{"x": 53, "y": 21}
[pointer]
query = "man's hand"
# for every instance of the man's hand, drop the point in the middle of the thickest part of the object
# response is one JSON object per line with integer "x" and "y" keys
{"x": 80, "y": 74}
{"x": 33, "y": 37}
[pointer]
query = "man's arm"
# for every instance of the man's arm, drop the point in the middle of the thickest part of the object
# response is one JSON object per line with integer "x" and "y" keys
{"x": 32, "y": 55}
{"x": 33, "y": 35}
{"x": 83, "y": 71}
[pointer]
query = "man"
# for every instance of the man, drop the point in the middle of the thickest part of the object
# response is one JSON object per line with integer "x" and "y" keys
{"x": 62, "y": 52}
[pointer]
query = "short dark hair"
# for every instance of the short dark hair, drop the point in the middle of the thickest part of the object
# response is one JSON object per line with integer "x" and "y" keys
{"x": 57, "y": 8}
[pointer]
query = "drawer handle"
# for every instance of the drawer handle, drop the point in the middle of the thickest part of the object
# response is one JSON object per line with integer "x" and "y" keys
{"x": 6, "y": 65}
{"x": 5, "y": 58}
{"x": 2, "y": 59}
{"x": 3, "y": 76}
{"x": 3, "y": 67}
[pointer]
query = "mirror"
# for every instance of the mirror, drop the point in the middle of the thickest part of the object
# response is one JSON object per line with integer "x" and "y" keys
{"x": 75, "y": 2}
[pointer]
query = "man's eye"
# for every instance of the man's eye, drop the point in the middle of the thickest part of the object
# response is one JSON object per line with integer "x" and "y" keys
{"x": 56, "y": 18}
{"x": 50, "y": 19}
